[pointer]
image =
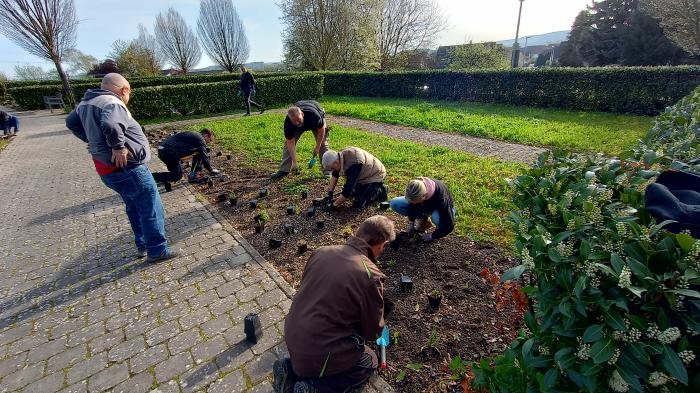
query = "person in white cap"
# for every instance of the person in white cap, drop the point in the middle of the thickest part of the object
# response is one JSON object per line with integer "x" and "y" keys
{"x": 364, "y": 176}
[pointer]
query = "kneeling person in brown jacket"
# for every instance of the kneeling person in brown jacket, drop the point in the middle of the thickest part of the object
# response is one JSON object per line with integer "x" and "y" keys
{"x": 337, "y": 309}
{"x": 364, "y": 176}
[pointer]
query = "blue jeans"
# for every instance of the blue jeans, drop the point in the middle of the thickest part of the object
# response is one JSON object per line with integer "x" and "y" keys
{"x": 401, "y": 206}
{"x": 143, "y": 206}
{"x": 12, "y": 122}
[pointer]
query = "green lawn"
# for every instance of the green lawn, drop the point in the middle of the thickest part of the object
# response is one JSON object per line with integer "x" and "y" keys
{"x": 581, "y": 131}
{"x": 4, "y": 143}
{"x": 481, "y": 194}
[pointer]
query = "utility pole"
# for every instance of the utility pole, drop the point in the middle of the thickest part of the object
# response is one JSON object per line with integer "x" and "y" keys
{"x": 516, "y": 46}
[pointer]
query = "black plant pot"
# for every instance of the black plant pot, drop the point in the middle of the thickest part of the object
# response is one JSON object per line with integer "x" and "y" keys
{"x": 233, "y": 201}
{"x": 302, "y": 247}
{"x": 318, "y": 201}
{"x": 228, "y": 156}
{"x": 222, "y": 197}
{"x": 223, "y": 178}
{"x": 406, "y": 283}
{"x": 384, "y": 205}
{"x": 275, "y": 243}
{"x": 252, "y": 328}
{"x": 259, "y": 228}
{"x": 253, "y": 203}
{"x": 210, "y": 183}
{"x": 168, "y": 186}
{"x": 434, "y": 301}
{"x": 289, "y": 229}
{"x": 262, "y": 193}
{"x": 291, "y": 210}
{"x": 304, "y": 194}
{"x": 320, "y": 224}
{"x": 310, "y": 212}
{"x": 218, "y": 154}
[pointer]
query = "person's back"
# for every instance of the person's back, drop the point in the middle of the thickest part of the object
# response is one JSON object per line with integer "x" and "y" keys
{"x": 338, "y": 297}
{"x": 184, "y": 143}
{"x": 247, "y": 82}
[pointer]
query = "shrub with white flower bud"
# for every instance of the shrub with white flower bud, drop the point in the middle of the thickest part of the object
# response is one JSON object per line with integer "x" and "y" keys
{"x": 617, "y": 384}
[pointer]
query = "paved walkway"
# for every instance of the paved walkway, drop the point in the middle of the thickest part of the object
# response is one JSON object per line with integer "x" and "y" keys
{"x": 79, "y": 312}
{"x": 505, "y": 151}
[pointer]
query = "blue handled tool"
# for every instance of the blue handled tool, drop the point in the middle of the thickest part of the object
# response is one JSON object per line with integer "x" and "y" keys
{"x": 383, "y": 342}
{"x": 312, "y": 162}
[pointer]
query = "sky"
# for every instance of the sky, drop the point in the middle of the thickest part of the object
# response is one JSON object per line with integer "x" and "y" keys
{"x": 103, "y": 21}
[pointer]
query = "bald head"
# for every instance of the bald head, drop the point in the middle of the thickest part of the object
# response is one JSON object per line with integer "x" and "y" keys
{"x": 118, "y": 85}
{"x": 295, "y": 115}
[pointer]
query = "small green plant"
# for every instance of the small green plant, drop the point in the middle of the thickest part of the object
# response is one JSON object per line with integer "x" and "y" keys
{"x": 415, "y": 367}
{"x": 436, "y": 293}
{"x": 390, "y": 263}
{"x": 395, "y": 337}
{"x": 231, "y": 195}
{"x": 263, "y": 217}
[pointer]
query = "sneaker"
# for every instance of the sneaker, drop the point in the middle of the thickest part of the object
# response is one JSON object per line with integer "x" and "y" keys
{"x": 141, "y": 253}
{"x": 278, "y": 175}
{"x": 167, "y": 254}
{"x": 304, "y": 387}
{"x": 168, "y": 186}
{"x": 282, "y": 376}
{"x": 383, "y": 194}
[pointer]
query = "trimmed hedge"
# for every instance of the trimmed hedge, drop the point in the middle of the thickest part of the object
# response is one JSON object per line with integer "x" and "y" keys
{"x": 31, "y": 96}
{"x": 192, "y": 99}
{"x": 638, "y": 90}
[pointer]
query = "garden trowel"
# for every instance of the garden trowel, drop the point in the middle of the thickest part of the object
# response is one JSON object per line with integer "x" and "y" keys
{"x": 383, "y": 342}
{"x": 312, "y": 161}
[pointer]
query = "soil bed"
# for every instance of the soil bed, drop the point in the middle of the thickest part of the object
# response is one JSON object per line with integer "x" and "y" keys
{"x": 465, "y": 324}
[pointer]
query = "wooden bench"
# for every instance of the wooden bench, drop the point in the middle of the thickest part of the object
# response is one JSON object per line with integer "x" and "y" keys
{"x": 50, "y": 101}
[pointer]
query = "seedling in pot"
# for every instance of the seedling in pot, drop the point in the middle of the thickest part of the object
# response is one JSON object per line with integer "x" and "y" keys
{"x": 289, "y": 229}
{"x": 259, "y": 227}
{"x": 406, "y": 283}
{"x": 223, "y": 178}
{"x": 252, "y": 328}
{"x": 318, "y": 201}
{"x": 228, "y": 156}
{"x": 310, "y": 212}
{"x": 302, "y": 246}
{"x": 222, "y": 197}
{"x": 262, "y": 217}
{"x": 291, "y": 210}
{"x": 262, "y": 193}
{"x": 434, "y": 298}
{"x": 218, "y": 154}
{"x": 232, "y": 199}
{"x": 304, "y": 194}
{"x": 253, "y": 203}
{"x": 210, "y": 183}
{"x": 320, "y": 224}
{"x": 275, "y": 243}
{"x": 384, "y": 205}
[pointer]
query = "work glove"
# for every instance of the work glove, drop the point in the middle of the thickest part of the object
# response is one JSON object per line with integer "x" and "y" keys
{"x": 427, "y": 237}
{"x": 215, "y": 171}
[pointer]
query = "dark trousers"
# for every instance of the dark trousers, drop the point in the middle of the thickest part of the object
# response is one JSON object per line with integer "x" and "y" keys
{"x": 365, "y": 194}
{"x": 352, "y": 380}
{"x": 172, "y": 161}
{"x": 248, "y": 96}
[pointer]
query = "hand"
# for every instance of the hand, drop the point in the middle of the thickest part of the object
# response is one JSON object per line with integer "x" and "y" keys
{"x": 339, "y": 201}
{"x": 295, "y": 167}
{"x": 317, "y": 151}
{"x": 427, "y": 237}
{"x": 119, "y": 157}
{"x": 214, "y": 171}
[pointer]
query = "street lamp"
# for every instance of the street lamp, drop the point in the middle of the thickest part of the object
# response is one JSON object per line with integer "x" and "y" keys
{"x": 516, "y": 46}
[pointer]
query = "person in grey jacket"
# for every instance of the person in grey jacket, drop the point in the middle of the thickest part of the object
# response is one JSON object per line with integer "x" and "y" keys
{"x": 120, "y": 151}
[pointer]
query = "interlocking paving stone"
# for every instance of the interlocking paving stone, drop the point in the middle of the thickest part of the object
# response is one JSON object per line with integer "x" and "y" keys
{"x": 79, "y": 312}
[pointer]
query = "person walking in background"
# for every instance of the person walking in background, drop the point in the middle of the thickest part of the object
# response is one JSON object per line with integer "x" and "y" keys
{"x": 248, "y": 87}
{"x": 426, "y": 199}
{"x": 8, "y": 123}
{"x": 303, "y": 116}
{"x": 120, "y": 151}
{"x": 338, "y": 309}
{"x": 184, "y": 144}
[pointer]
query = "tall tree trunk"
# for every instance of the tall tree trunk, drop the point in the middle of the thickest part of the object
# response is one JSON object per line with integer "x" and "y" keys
{"x": 67, "y": 91}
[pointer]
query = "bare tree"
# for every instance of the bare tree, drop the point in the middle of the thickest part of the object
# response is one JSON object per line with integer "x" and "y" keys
{"x": 79, "y": 63}
{"x": 177, "y": 41}
{"x": 222, "y": 33}
{"x": 329, "y": 34}
{"x": 44, "y": 28}
{"x": 30, "y": 72}
{"x": 680, "y": 20}
{"x": 406, "y": 25}
{"x": 147, "y": 46}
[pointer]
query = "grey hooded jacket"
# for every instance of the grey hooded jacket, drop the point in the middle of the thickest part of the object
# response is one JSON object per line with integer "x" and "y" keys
{"x": 104, "y": 122}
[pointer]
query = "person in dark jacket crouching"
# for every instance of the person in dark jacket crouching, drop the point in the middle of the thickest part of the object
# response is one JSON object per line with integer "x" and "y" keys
{"x": 181, "y": 145}
{"x": 426, "y": 199}
{"x": 338, "y": 308}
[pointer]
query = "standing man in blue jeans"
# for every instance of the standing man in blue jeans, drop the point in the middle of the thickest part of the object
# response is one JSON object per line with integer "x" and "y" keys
{"x": 120, "y": 152}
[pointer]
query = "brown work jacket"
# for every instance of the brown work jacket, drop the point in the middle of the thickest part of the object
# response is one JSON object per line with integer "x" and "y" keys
{"x": 373, "y": 170}
{"x": 340, "y": 296}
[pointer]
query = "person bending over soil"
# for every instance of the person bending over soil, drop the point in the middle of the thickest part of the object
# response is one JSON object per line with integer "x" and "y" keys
{"x": 181, "y": 145}
{"x": 304, "y": 116}
{"x": 338, "y": 308}
{"x": 426, "y": 199}
{"x": 364, "y": 176}
{"x": 8, "y": 123}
